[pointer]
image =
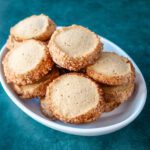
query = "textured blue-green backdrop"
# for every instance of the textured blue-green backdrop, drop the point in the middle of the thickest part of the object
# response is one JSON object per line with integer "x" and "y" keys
{"x": 125, "y": 22}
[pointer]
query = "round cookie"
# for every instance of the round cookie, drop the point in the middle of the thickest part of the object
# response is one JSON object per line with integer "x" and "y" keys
{"x": 39, "y": 27}
{"x": 74, "y": 47}
{"x": 37, "y": 89}
{"x": 27, "y": 63}
{"x": 112, "y": 69}
{"x": 75, "y": 98}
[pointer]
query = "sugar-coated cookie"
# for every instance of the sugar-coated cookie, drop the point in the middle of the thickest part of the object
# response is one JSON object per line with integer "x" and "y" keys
{"x": 75, "y": 98}
{"x": 74, "y": 47}
{"x": 27, "y": 63}
{"x": 112, "y": 69}
{"x": 39, "y": 27}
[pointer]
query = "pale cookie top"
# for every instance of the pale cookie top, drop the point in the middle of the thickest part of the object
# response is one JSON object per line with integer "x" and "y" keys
{"x": 34, "y": 27}
{"x": 73, "y": 95}
{"x": 75, "y": 40}
{"x": 111, "y": 64}
{"x": 26, "y": 57}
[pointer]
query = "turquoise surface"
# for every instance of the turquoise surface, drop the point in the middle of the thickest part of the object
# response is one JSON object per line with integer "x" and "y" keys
{"x": 127, "y": 23}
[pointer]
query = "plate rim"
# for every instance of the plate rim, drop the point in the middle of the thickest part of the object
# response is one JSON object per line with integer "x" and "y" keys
{"x": 72, "y": 130}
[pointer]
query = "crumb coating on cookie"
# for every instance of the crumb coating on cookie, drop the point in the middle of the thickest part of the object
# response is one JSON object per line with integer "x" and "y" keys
{"x": 83, "y": 103}
{"x": 39, "y": 27}
{"x": 74, "y": 47}
{"x": 112, "y": 69}
{"x": 27, "y": 63}
{"x": 37, "y": 89}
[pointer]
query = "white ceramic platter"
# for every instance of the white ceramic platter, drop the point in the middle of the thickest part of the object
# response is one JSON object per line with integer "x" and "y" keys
{"x": 109, "y": 122}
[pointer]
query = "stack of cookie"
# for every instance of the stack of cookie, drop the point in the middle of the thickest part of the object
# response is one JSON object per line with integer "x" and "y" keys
{"x": 115, "y": 75}
{"x": 28, "y": 64}
{"x": 35, "y": 27}
{"x": 90, "y": 81}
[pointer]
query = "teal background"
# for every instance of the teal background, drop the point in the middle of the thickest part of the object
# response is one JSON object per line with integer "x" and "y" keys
{"x": 127, "y": 23}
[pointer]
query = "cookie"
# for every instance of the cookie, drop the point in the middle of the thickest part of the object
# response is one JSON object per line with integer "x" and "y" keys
{"x": 74, "y": 47}
{"x": 75, "y": 98}
{"x": 37, "y": 89}
{"x": 27, "y": 63}
{"x": 39, "y": 27}
{"x": 112, "y": 69}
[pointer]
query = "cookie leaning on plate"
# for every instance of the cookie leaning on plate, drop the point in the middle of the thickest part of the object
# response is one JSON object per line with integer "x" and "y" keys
{"x": 37, "y": 89}
{"x": 112, "y": 69}
{"x": 74, "y": 47}
{"x": 75, "y": 98}
{"x": 39, "y": 27}
{"x": 27, "y": 63}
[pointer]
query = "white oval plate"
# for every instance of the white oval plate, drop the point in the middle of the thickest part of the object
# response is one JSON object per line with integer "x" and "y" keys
{"x": 109, "y": 122}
